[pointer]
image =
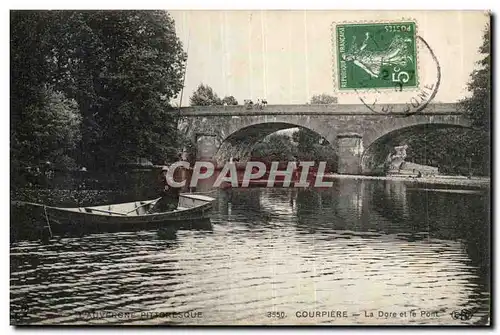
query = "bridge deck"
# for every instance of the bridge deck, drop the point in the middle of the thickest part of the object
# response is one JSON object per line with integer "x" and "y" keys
{"x": 336, "y": 109}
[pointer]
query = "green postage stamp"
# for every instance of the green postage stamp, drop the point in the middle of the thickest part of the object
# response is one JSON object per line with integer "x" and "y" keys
{"x": 376, "y": 55}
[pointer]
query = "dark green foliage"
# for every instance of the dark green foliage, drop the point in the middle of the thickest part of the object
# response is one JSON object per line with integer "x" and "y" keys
{"x": 48, "y": 130}
{"x": 452, "y": 150}
{"x": 312, "y": 147}
{"x": 275, "y": 147}
{"x": 477, "y": 106}
{"x": 204, "y": 95}
{"x": 121, "y": 67}
{"x": 455, "y": 150}
{"x": 230, "y": 100}
{"x": 323, "y": 99}
{"x": 303, "y": 145}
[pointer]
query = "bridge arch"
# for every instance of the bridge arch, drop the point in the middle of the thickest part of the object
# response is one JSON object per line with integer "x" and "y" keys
{"x": 399, "y": 122}
{"x": 377, "y": 149}
{"x": 241, "y": 141}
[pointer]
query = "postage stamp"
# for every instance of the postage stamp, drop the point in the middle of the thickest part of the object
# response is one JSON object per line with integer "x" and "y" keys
{"x": 376, "y": 55}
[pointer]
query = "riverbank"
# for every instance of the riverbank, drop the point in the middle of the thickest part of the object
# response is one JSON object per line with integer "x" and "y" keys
{"x": 484, "y": 182}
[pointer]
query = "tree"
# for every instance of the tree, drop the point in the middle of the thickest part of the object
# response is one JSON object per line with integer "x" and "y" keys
{"x": 305, "y": 138}
{"x": 28, "y": 69}
{"x": 45, "y": 123}
{"x": 47, "y": 131}
{"x": 204, "y": 95}
{"x": 121, "y": 67}
{"x": 310, "y": 145}
{"x": 230, "y": 100}
{"x": 275, "y": 147}
{"x": 477, "y": 107}
{"x": 323, "y": 99}
{"x": 460, "y": 151}
{"x": 139, "y": 70}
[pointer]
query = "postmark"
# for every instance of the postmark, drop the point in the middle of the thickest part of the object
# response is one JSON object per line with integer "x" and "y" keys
{"x": 376, "y": 55}
{"x": 373, "y": 98}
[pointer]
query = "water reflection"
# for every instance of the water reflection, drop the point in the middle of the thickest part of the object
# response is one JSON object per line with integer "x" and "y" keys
{"x": 360, "y": 246}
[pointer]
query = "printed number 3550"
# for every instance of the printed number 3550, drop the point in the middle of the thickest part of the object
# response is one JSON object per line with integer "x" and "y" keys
{"x": 278, "y": 315}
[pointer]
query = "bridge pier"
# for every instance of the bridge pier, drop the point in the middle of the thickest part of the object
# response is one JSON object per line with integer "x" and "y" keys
{"x": 350, "y": 150}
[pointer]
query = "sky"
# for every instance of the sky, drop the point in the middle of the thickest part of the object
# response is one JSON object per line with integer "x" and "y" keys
{"x": 287, "y": 57}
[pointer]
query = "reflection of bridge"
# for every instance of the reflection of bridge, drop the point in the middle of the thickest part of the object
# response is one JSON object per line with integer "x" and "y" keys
{"x": 224, "y": 131}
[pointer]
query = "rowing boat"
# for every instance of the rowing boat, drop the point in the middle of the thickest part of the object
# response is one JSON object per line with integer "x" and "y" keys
{"x": 122, "y": 215}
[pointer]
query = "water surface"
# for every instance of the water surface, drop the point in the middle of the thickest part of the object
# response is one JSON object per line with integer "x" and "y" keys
{"x": 358, "y": 248}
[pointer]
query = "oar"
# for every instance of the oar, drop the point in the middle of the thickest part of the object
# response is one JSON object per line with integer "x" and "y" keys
{"x": 144, "y": 204}
{"x": 24, "y": 203}
{"x": 62, "y": 208}
{"x": 103, "y": 211}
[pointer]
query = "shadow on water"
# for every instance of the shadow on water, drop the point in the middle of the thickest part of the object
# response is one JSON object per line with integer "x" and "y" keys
{"x": 376, "y": 206}
{"x": 242, "y": 205}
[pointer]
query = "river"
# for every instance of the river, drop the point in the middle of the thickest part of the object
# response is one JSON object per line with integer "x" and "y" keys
{"x": 362, "y": 252}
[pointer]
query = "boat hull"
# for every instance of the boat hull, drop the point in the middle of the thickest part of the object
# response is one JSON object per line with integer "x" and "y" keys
{"x": 191, "y": 208}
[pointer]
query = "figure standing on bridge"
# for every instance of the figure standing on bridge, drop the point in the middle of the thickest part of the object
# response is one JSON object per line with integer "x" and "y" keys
{"x": 248, "y": 103}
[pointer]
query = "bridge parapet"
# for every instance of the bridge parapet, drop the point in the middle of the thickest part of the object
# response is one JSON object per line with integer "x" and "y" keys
{"x": 331, "y": 109}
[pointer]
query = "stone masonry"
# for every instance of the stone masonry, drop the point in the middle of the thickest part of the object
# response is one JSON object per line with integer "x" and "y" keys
{"x": 221, "y": 132}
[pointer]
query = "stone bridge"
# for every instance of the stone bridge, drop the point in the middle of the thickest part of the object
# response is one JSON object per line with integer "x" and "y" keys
{"x": 221, "y": 132}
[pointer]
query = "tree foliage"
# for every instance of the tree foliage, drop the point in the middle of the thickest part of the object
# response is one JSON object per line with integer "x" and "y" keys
{"x": 453, "y": 150}
{"x": 121, "y": 67}
{"x": 461, "y": 151}
{"x": 302, "y": 145}
{"x": 275, "y": 147}
{"x": 204, "y": 95}
{"x": 230, "y": 100}
{"x": 323, "y": 99}
{"x": 310, "y": 145}
{"x": 477, "y": 107}
{"x": 307, "y": 139}
{"x": 49, "y": 129}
